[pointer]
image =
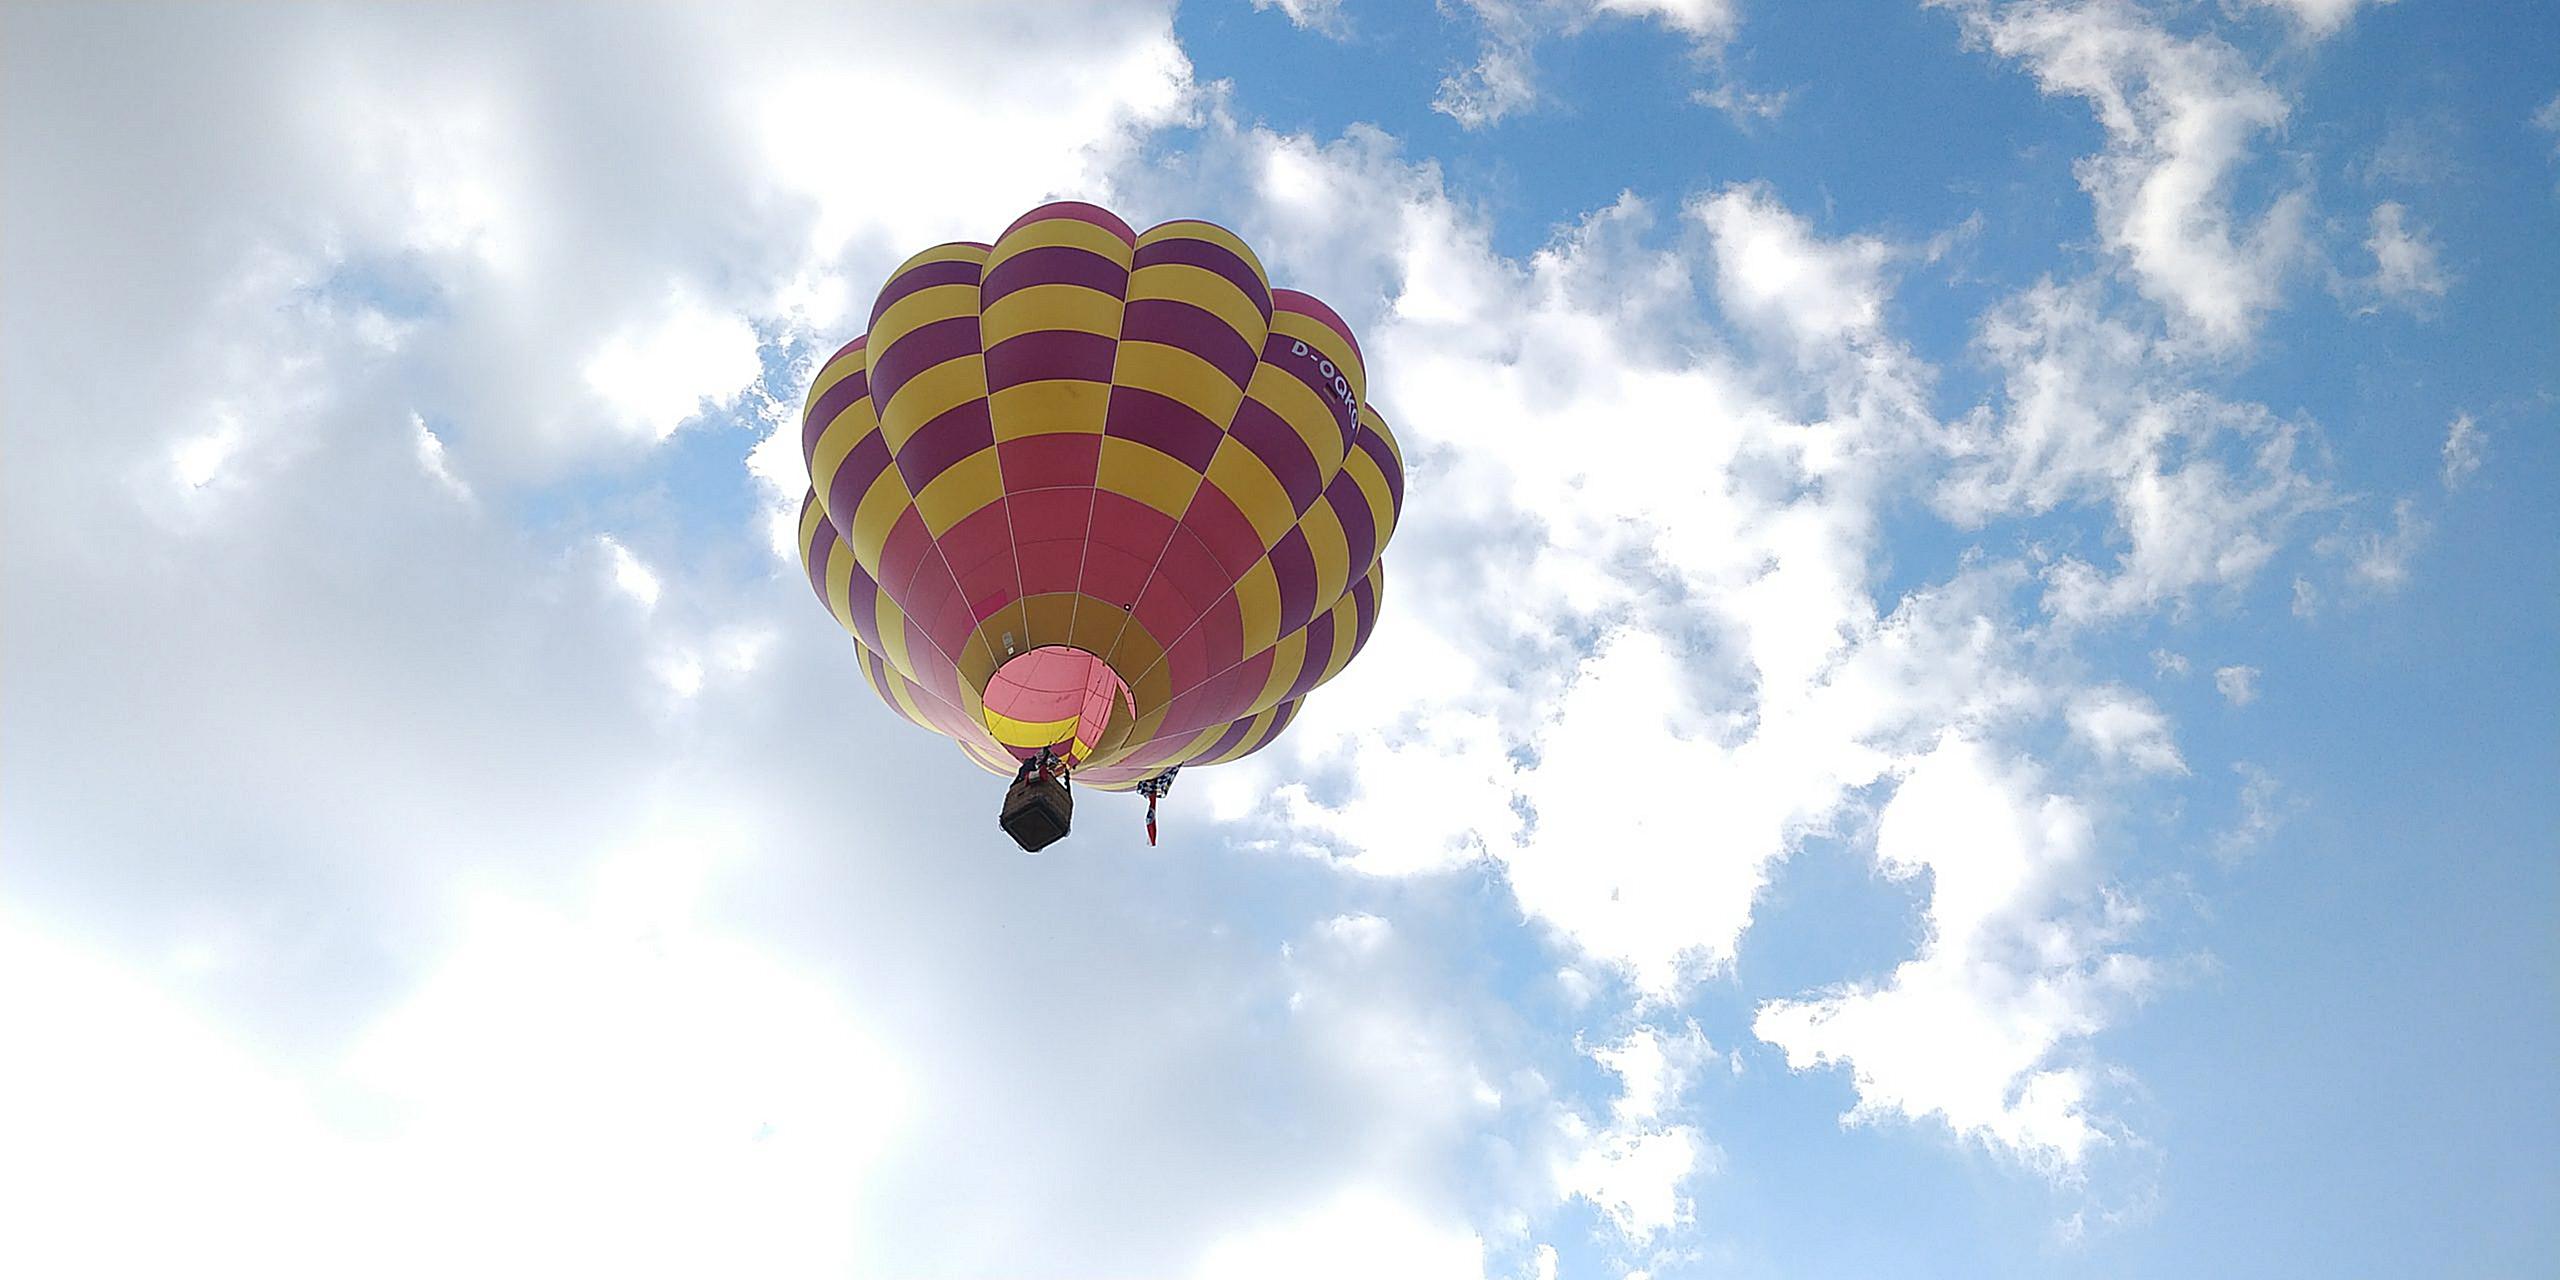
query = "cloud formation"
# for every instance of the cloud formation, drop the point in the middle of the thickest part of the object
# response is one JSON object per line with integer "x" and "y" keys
{"x": 2464, "y": 444}
{"x": 1502, "y": 81}
{"x": 2180, "y": 115}
{"x": 2019, "y": 965}
{"x": 2238, "y": 685}
{"x": 2405, "y": 260}
{"x": 2319, "y": 19}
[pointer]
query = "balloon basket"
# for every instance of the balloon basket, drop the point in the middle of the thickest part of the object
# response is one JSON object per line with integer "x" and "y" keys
{"x": 1037, "y": 812}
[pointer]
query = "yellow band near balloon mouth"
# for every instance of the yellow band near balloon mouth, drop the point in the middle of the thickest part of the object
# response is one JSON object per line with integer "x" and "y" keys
{"x": 1031, "y": 735}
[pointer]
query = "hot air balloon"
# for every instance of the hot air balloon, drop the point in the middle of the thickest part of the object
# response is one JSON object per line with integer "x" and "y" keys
{"x": 1097, "y": 503}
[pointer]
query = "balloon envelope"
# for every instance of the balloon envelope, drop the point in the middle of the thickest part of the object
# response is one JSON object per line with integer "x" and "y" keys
{"x": 1098, "y": 491}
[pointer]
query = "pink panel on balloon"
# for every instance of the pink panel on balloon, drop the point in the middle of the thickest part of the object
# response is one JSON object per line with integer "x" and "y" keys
{"x": 1052, "y": 685}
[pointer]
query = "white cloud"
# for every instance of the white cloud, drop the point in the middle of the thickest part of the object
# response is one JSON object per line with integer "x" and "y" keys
{"x": 674, "y": 366}
{"x": 1634, "y": 1179}
{"x": 1771, "y": 270}
{"x": 1371, "y": 1006}
{"x": 431, "y": 459}
{"x": 199, "y": 460}
{"x": 1707, "y": 21}
{"x": 999, "y": 139}
{"x": 2123, "y": 726}
{"x": 2318, "y": 19}
{"x": 1634, "y": 1168}
{"x": 1455, "y": 760}
{"x": 2202, "y": 490}
{"x": 620, "y": 1090}
{"x": 2463, "y": 445}
{"x": 2416, "y": 150}
{"x": 1362, "y": 1234}
{"x": 574, "y": 254}
{"x": 1617, "y": 785}
{"x": 1652, "y": 1070}
{"x": 2168, "y": 664}
{"x": 2262, "y": 810}
{"x": 1359, "y": 1000}
{"x": 1498, "y": 85}
{"x": 120, "y": 1096}
{"x": 2306, "y": 597}
{"x": 681, "y": 671}
{"x": 2378, "y": 560}
{"x": 542, "y": 1037}
{"x": 630, "y": 575}
{"x": 1739, "y": 686}
{"x": 1745, "y": 107}
{"x": 2406, "y": 269}
{"x": 1502, "y": 82}
{"x": 1835, "y": 689}
{"x": 2238, "y": 685}
{"x": 2180, "y": 115}
{"x": 1980, "y": 1030}
{"x": 1783, "y": 693}
{"x": 783, "y": 478}
{"x": 1579, "y": 988}
{"x": 740, "y": 650}
{"x": 1710, "y": 26}
{"x": 1321, "y": 16}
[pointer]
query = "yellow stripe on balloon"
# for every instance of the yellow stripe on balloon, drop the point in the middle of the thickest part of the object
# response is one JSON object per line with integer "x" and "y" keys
{"x": 1195, "y": 748}
{"x": 1257, "y": 493}
{"x": 834, "y": 371}
{"x": 909, "y": 704}
{"x": 1257, "y": 729}
{"x": 1258, "y": 599}
{"x": 948, "y": 251}
{"x": 892, "y": 689}
{"x": 1205, "y": 289}
{"x": 930, "y": 394}
{"x": 1148, "y": 474}
{"x": 1192, "y": 229}
{"x": 1288, "y": 660}
{"x": 915, "y": 311}
{"x": 893, "y": 636}
{"x": 1345, "y": 621}
{"x": 1179, "y": 375}
{"x": 1050, "y": 308}
{"x": 1049, "y": 407}
{"x": 1377, "y": 423}
{"x": 1372, "y": 484}
{"x": 1331, "y": 550}
{"x": 1074, "y": 233}
{"x": 1027, "y": 734}
{"x": 812, "y": 514}
{"x": 991, "y": 761}
{"x": 875, "y": 515}
{"x": 848, "y": 429}
{"x": 961, "y": 490}
{"x": 840, "y": 585}
{"x": 1307, "y": 413}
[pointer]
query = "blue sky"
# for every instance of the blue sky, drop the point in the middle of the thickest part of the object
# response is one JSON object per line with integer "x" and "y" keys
{"x": 1966, "y": 687}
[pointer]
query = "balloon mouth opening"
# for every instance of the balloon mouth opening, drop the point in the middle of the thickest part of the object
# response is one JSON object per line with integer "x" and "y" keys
{"x": 1056, "y": 698}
